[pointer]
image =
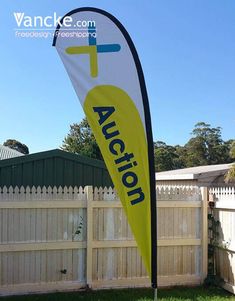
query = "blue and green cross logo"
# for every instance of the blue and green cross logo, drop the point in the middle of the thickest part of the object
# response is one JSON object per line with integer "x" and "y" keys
{"x": 92, "y": 50}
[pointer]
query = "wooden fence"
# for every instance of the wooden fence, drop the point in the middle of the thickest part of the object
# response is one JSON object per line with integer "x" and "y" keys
{"x": 65, "y": 239}
{"x": 224, "y": 198}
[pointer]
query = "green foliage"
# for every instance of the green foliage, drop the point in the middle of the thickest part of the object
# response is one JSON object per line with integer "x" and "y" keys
{"x": 81, "y": 140}
{"x": 232, "y": 149}
{"x": 206, "y": 147}
{"x": 168, "y": 157}
{"x": 230, "y": 176}
{"x": 135, "y": 294}
{"x": 16, "y": 145}
{"x": 196, "y": 152}
{"x": 213, "y": 228}
{"x": 79, "y": 228}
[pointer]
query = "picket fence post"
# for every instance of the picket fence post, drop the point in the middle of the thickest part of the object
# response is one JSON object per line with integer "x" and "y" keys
{"x": 204, "y": 235}
{"x": 89, "y": 199}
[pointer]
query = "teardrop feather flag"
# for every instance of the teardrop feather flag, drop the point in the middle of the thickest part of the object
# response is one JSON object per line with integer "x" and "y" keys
{"x": 106, "y": 74}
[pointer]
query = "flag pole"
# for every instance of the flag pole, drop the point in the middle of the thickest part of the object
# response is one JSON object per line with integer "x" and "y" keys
{"x": 153, "y": 214}
{"x": 152, "y": 181}
{"x": 153, "y": 198}
{"x": 155, "y": 294}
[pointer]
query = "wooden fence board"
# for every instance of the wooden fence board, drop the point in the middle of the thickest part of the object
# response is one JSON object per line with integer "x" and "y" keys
{"x": 44, "y": 231}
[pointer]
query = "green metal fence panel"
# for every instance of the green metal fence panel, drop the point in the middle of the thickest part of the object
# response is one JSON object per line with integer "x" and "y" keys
{"x": 53, "y": 168}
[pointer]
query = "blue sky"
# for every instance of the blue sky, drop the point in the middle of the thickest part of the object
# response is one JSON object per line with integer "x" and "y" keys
{"x": 187, "y": 50}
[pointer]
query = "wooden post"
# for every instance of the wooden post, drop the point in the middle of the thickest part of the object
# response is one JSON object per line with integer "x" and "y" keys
{"x": 204, "y": 216}
{"x": 89, "y": 199}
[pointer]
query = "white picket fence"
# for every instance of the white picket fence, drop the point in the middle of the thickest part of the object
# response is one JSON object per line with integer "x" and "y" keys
{"x": 224, "y": 198}
{"x": 67, "y": 238}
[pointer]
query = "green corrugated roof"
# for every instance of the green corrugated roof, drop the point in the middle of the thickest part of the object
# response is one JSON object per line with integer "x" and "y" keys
{"x": 53, "y": 153}
{"x": 53, "y": 168}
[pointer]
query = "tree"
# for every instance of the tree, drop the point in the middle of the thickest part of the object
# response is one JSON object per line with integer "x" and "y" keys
{"x": 162, "y": 157}
{"x": 180, "y": 159}
{"x": 167, "y": 156}
{"x": 16, "y": 145}
{"x": 196, "y": 152}
{"x": 206, "y": 147}
{"x": 81, "y": 140}
{"x": 230, "y": 176}
{"x": 232, "y": 149}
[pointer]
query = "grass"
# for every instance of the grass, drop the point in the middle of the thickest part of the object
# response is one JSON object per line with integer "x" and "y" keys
{"x": 175, "y": 294}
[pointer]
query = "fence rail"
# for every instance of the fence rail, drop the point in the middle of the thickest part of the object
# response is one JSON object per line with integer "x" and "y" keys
{"x": 66, "y": 238}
